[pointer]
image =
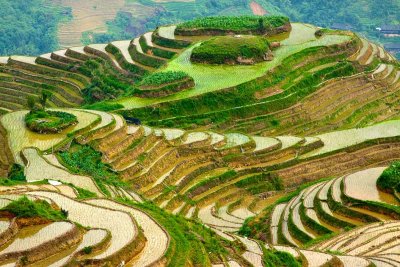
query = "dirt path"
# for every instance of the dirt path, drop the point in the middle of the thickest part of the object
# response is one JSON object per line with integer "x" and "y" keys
{"x": 257, "y": 9}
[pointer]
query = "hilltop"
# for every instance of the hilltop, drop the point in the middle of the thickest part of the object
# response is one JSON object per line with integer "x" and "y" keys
{"x": 129, "y": 152}
{"x": 73, "y": 23}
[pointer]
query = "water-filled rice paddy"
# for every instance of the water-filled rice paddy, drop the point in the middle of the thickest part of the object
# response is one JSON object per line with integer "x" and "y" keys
{"x": 20, "y": 137}
{"x": 210, "y": 78}
{"x": 341, "y": 139}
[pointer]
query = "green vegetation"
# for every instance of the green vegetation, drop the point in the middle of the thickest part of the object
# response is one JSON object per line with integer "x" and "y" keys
{"x": 87, "y": 250}
{"x": 390, "y": 178}
{"x": 42, "y": 121}
{"x": 105, "y": 84}
{"x": 279, "y": 258}
{"x": 240, "y": 24}
{"x": 25, "y": 208}
{"x": 104, "y": 106}
{"x": 122, "y": 27}
{"x": 240, "y": 101}
{"x": 30, "y": 28}
{"x": 259, "y": 183}
{"x": 230, "y": 50}
{"x": 161, "y": 78}
{"x": 16, "y": 173}
{"x": 190, "y": 240}
{"x": 365, "y": 20}
{"x": 83, "y": 159}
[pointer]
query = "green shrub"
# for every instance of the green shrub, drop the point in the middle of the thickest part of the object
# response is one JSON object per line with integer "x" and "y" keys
{"x": 227, "y": 49}
{"x": 279, "y": 258}
{"x": 160, "y": 78}
{"x": 25, "y": 208}
{"x": 240, "y": 23}
{"x": 87, "y": 250}
{"x": 49, "y": 121}
{"x": 390, "y": 178}
{"x": 17, "y": 173}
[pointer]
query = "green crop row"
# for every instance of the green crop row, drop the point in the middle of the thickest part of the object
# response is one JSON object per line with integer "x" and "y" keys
{"x": 169, "y": 43}
{"x": 161, "y": 78}
{"x": 240, "y": 23}
{"x": 144, "y": 58}
{"x": 224, "y": 103}
{"x": 155, "y": 50}
{"x": 135, "y": 69}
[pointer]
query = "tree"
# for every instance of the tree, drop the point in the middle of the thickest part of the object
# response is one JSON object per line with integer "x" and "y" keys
{"x": 43, "y": 98}
{"x": 261, "y": 26}
{"x": 31, "y": 102}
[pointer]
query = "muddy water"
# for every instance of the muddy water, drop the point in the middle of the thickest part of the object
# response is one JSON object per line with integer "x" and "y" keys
{"x": 20, "y": 136}
{"x": 377, "y": 215}
{"x": 362, "y": 185}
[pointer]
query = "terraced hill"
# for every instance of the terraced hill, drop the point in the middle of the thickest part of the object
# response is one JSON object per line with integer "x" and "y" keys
{"x": 271, "y": 164}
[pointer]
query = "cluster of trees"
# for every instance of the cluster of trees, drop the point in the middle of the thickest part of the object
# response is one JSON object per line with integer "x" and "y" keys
{"x": 363, "y": 16}
{"x": 29, "y": 27}
{"x": 44, "y": 96}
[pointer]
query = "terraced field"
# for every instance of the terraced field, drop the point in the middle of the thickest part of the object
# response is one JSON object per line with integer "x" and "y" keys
{"x": 276, "y": 164}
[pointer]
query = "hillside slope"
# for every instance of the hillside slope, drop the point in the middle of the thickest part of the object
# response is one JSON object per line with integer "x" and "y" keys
{"x": 172, "y": 163}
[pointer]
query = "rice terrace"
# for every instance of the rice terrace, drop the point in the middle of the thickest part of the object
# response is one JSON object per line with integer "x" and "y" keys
{"x": 221, "y": 141}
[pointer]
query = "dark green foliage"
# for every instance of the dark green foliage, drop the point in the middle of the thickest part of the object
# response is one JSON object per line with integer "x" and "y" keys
{"x": 25, "y": 208}
{"x": 16, "y": 173}
{"x": 49, "y": 121}
{"x": 241, "y": 23}
{"x": 87, "y": 250}
{"x": 105, "y": 82}
{"x": 227, "y": 49}
{"x": 44, "y": 96}
{"x": 372, "y": 14}
{"x": 31, "y": 102}
{"x": 279, "y": 259}
{"x": 390, "y": 178}
{"x": 30, "y": 27}
{"x": 155, "y": 50}
{"x": 144, "y": 58}
{"x": 160, "y": 78}
{"x": 83, "y": 159}
{"x": 135, "y": 69}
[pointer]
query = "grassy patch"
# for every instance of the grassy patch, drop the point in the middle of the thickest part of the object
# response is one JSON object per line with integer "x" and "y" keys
{"x": 42, "y": 121}
{"x": 279, "y": 258}
{"x": 160, "y": 78}
{"x": 83, "y": 159}
{"x": 228, "y": 49}
{"x": 25, "y": 208}
{"x": 240, "y": 23}
{"x": 16, "y": 173}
